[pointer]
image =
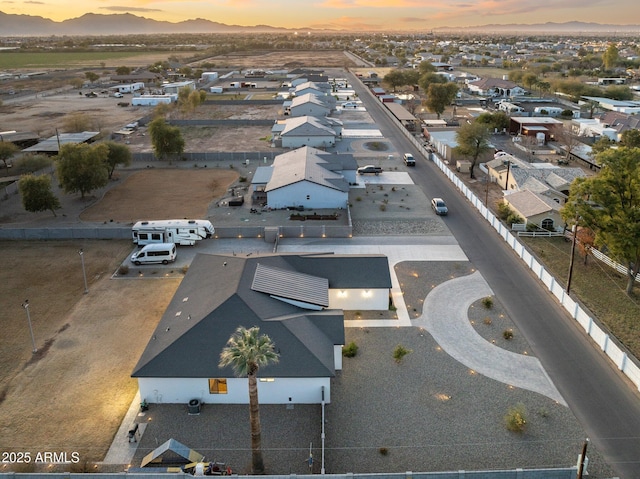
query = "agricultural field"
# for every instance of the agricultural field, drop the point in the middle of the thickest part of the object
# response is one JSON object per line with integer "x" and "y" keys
{"x": 63, "y": 60}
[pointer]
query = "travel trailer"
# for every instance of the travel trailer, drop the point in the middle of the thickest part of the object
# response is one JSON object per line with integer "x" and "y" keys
{"x": 181, "y": 232}
{"x": 164, "y": 253}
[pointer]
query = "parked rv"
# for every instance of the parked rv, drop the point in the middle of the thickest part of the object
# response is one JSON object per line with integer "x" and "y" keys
{"x": 164, "y": 253}
{"x": 181, "y": 232}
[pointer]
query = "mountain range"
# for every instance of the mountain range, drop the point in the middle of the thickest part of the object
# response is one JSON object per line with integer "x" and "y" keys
{"x": 125, "y": 24}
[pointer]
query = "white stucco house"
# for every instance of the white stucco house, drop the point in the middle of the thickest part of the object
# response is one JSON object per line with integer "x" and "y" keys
{"x": 294, "y": 299}
{"x": 318, "y": 89}
{"x": 302, "y": 131}
{"x": 308, "y": 105}
{"x": 307, "y": 177}
{"x": 536, "y": 209}
{"x": 495, "y": 87}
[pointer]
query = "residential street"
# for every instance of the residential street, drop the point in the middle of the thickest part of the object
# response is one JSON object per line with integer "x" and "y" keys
{"x": 605, "y": 402}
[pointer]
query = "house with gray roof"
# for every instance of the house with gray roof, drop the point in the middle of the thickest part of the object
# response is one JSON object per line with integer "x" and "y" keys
{"x": 307, "y": 177}
{"x": 318, "y": 89}
{"x": 297, "y": 300}
{"x": 536, "y": 209}
{"x": 306, "y": 131}
{"x": 309, "y": 105}
{"x": 495, "y": 87}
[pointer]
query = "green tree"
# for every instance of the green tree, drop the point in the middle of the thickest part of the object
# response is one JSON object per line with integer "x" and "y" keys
{"x": 603, "y": 144}
{"x": 529, "y": 80}
{"x": 123, "y": 70}
{"x": 629, "y": 138}
{"x": 497, "y": 121}
{"x": 394, "y": 79}
{"x": 610, "y": 57}
{"x": 7, "y": 150}
{"x": 76, "y": 82}
{"x": 473, "y": 141}
{"x": 167, "y": 140}
{"x": 118, "y": 154}
{"x": 439, "y": 96}
{"x": 427, "y": 79}
{"x": 618, "y": 92}
{"x": 609, "y": 203}
{"x": 426, "y": 67}
{"x": 37, "y": 195}
{"x": 81, "y": 167}
{"x": 91, "y": 76}
{"x": 246, "y": 352}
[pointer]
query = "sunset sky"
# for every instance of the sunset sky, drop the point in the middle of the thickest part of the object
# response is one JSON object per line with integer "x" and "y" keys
{"x": 370, "y": 15}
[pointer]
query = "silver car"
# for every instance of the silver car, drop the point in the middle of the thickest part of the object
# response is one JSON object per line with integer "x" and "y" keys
{"x": 438, "y": 205}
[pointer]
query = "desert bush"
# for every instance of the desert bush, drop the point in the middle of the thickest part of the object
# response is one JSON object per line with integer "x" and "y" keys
{"x": 487, "y": 321}
{"x": 487, "y": 302}
{"x": 383, "y": 451}
{"x": 516, "y": 418}
{"x": 507, "y": 334}
{"x": 400, "y": 352}
{"x": 123, "y": 270}
{"x": 350, "y": 350}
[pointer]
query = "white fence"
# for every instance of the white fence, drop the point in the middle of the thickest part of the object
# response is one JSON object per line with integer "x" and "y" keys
{"x": 605, "y": 342}
{"x": 609, "y": 345}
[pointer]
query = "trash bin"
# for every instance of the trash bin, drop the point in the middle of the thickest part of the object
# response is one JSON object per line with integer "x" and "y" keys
{"x": 194, "y": 406}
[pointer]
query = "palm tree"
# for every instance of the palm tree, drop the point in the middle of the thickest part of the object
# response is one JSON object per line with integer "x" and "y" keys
{"x": 245, "y": 352}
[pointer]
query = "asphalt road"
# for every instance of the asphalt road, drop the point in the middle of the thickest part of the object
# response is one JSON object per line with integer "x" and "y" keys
{"x": 604, "y": 401}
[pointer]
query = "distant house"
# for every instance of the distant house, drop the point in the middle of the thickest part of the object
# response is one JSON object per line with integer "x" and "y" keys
{"x": 553, "y": 181}
{"x": 318, "y": 89}
{"x": 533, "y": 126}
{"x": 297, "y": 300}
{"x": 306, "y": 131}
{"x": 306, "y": 177}
{"x": 495, "y": 87}
{"x": 309, "y": 105}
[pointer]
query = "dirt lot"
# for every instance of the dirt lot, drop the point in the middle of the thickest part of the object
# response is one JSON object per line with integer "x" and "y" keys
{"x": 71, "y": 395}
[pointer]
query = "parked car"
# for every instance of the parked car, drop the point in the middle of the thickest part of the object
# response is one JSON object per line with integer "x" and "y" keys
{"x": 409, "y": 160}
{"x": 438, "y": 205}
{"x": 118, "y": 95}
{"x": 369, "y": 169}
{"x": 350, "y": 104}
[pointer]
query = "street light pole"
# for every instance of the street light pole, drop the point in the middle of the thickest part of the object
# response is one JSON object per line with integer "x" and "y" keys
{"x": 25, "y": 305}
{"x": 84, "y": 274}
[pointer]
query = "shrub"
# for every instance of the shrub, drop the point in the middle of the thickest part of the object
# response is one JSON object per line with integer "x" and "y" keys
{"x": 383, "y": 451}
{"x": 185, "y": 268}
{"x": 383, "y": 207}
{"x": 516, "y": 418}
{"x": 400, "y": 352}
{"x": 350, "y": 350}
{"x": 123, "y": 270}
{"x": 358, "y": 198}
{"x": 487, "y": 321}
{"x": 487, "y": 302}
{"x": 242, "y": 179}
{"x": 507, "y": 334}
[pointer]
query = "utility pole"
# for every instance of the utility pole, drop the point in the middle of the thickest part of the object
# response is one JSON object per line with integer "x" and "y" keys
{"x": 573, "y": 251}
{"x": 583, "y": 459}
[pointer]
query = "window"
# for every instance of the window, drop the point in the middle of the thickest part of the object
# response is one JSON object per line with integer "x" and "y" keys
{"x": 547, "y": 224}
{"x": 143, "y": 236}
{"x": 308, "y": 197}
{"x": 217, "y": 386}
{"x": 156, "y": 237}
